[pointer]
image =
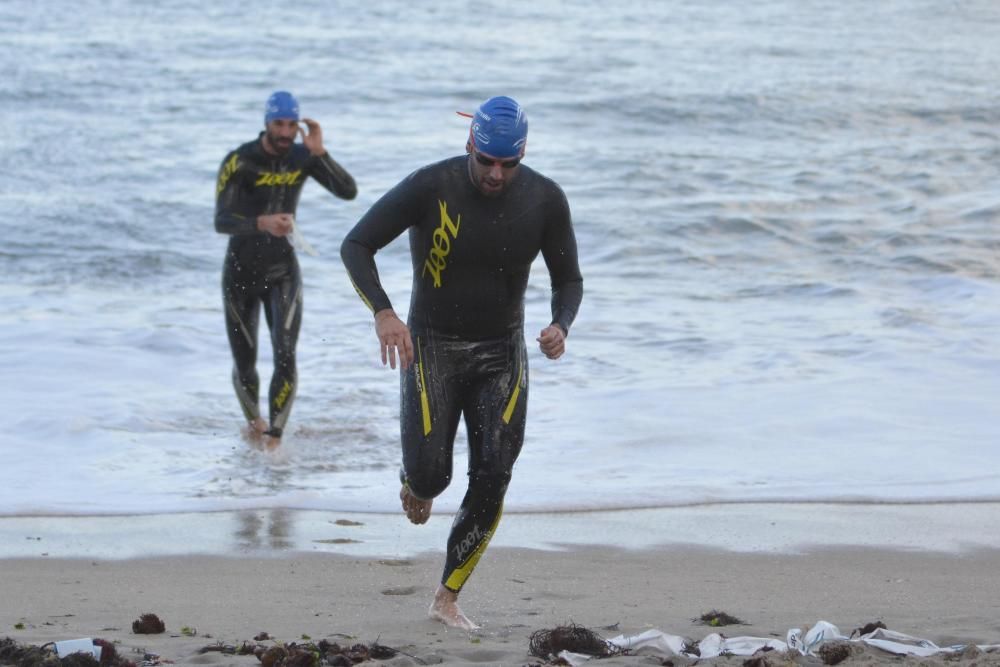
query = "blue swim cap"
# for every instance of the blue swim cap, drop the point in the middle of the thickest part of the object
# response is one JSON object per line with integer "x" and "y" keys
{"x": 281, "y": 105}
{"x": 500, "y": 127}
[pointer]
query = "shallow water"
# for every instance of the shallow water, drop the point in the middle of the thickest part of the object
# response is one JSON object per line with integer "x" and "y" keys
{"x": 785, "y": 212}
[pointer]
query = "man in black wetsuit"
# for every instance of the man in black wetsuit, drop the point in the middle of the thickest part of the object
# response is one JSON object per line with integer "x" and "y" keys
{"x": 476, "y": 222}
{"x": 256, "y": 194}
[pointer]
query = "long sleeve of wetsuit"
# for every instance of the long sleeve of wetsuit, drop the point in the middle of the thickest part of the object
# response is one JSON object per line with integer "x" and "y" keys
{"x": 389, "y": 217}
{"x": 560, "y": 254}
{"x": 333, "y": 177}
{"x": 229, "y": 185}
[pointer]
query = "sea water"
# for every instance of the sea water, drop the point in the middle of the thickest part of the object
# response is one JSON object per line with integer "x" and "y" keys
{"x": 786, "y": 214}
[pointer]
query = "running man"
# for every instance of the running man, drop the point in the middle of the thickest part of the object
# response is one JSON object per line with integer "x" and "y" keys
{"x": 476, "y": 222}
{"x": 256, "y": 194}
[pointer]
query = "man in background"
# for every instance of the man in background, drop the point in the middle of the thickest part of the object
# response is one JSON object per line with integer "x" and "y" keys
{"x": 256, "y": 195}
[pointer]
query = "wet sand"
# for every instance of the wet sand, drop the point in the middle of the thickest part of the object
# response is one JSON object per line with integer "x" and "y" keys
{"x": 227, "y": 577}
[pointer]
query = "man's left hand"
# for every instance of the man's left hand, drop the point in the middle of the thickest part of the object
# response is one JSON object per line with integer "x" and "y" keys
{"x": 313, "y": 139}
{"x": 552, "y": 341}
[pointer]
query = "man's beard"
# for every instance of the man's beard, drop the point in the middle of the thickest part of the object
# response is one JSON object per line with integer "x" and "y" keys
{"x": 279, "y": 144}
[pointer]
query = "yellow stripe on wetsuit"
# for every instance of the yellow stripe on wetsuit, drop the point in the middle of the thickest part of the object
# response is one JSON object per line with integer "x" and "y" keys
{"x": 424, "y": 403}
{"x": 361, "y": 294}
{"x": 458, "y": 578}
{"x": 512, "y": 403}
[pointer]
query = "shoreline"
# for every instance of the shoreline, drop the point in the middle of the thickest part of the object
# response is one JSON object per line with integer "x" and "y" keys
{"x": 745, "y": 527}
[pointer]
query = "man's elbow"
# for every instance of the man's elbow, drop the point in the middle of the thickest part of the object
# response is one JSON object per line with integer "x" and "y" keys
{"x": 348, "y": 250}
{"x": 571, "y": 283}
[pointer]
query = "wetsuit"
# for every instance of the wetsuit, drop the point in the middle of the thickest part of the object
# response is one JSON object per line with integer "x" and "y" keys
{"x": 262, "y": 269}
{"x": 471, "y": 258}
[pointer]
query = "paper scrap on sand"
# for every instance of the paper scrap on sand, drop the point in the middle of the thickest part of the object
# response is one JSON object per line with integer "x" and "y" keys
{"x": 806, "y": 643}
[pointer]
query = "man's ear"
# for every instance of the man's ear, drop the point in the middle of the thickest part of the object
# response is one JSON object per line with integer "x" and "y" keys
{"x": 468, "y": 146}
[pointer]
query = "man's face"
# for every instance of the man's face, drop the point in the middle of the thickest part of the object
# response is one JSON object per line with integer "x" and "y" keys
{"x": 492, "y": 175}
{"x": 280, "y": 134}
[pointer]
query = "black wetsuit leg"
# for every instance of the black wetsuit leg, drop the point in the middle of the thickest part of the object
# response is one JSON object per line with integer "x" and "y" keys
{"x": 487, "y": 382}
{"x": 280, "y": 292}
{"x": 430, "y": 405}
{"x": 241, "y": 299}
{"x": 283, "y": 311}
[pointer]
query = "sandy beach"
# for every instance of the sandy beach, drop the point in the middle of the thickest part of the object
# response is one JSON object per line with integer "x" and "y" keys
{"x": 303, "y": 585}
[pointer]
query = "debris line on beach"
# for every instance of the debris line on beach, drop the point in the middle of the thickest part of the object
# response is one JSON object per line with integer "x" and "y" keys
{"x": 323, "y": 654}
{"x": 28, "y": 655}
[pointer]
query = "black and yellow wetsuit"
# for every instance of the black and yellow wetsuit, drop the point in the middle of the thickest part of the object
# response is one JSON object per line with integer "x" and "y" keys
{"x": 471, "y": 258}
{"x": 262, "y": 269}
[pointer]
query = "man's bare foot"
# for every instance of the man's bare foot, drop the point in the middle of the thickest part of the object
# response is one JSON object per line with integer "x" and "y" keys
{"x": 271, "y": 443}
{"x": 253, "y": 432}
{"x": 417, "y": 510}
{"x": 444, "y": 608}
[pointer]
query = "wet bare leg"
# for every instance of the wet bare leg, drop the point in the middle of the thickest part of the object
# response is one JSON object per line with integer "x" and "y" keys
{"x": 272, "y": 442}
{"x": 444, "y": 608}
{"x": 417, "y": 511}
{"x": 253, "y": 432}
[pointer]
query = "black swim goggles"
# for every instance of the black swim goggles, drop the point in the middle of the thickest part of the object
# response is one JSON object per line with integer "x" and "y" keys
{"x": 487, "y": 161}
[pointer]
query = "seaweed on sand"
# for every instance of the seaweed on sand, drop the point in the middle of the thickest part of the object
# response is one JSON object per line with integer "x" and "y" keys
{"x": 573, "y": 638}
{"x": 717, "y": 619}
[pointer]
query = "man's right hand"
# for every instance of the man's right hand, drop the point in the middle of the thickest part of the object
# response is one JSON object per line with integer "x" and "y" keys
{"x": 393, "y": 337}
{"x": 276, "y": 224}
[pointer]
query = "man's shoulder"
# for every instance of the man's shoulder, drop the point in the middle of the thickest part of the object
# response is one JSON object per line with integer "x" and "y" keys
{"x": 255, "y": 145}
{"x": 440, "y": 168}
{"x": 245, "y": 150}
{"x": 433, "y": 176}
{"x": 540, "y": 183}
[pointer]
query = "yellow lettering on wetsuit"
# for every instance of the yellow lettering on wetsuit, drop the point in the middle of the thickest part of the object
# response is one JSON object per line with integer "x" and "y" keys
{"x": 447, "y": 231}
{"x": 227, "y": 172}
{"x": 459, "y": 576}
{"x": 282, "y": 396}
{"x": 272, "y": 178}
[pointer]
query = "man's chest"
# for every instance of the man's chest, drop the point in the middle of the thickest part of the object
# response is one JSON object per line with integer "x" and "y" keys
{"x": 456, "y": 239}
{"x": 261, "y": 178}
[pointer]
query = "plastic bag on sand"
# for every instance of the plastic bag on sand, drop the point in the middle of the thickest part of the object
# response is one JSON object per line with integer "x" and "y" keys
{"x": 806, "y": 643}
{"x": 71, "y": 646}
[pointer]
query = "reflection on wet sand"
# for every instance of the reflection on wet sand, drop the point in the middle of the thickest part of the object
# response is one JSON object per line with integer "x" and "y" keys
{"x": 264, "y": 529}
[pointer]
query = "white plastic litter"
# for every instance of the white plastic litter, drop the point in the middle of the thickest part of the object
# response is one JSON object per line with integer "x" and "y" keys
{"x": 806, "y": 643}
{"x": 71, "y": 646}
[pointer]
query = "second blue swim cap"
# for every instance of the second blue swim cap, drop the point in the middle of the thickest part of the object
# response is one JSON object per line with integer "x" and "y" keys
{"x": 281, "y": 105}
{"x": 500, "y": 127}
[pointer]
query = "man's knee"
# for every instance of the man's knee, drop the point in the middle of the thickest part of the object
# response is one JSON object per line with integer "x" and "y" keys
{"x": 489, "y": 482}
{"x": 427, "y": 485}
{"x": 245, "y": 375}
{"x": 283, "y": 351}
{"x": 286, "y": 364}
